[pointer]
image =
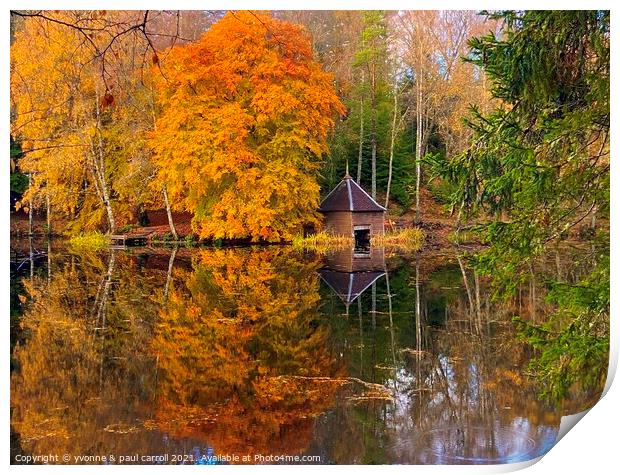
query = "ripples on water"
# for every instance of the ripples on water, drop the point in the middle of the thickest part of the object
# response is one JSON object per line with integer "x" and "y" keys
{"x": 353, "y": 358}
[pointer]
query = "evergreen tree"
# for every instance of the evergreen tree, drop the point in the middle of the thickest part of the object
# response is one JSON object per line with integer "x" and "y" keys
{"x": 538, "y": 167}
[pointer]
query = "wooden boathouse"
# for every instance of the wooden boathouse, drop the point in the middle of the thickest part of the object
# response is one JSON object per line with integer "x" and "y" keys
{"x": 350, "y": 211}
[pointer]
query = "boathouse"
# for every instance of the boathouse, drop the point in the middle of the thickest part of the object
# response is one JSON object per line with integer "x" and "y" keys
{"x": 350, "y": 211}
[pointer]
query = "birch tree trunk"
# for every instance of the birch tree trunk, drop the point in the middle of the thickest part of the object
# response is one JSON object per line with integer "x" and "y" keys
{"x": 392, "y": 140}
{"x": 373, "y": 132}
{"x": 106, "y": 199}
{"x": 361, "y": 145}
{"x": 169, "y": 274}
{"x": 30, "y": 207}
{"x": 173, "y": 229}
{"x": 470, "y": 299}
{"x": 100, "y": 170}
{"x": 419, "y": 125}
{"x": 418, "y": 323}
{"x": 418, "y": 147}
{"x": 48, "y": 214}
{"x": 31, "y": 259}
{"x": 103, "y": 310}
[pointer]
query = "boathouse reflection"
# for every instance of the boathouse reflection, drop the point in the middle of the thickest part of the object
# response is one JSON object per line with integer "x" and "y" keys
{"x": 349, "y": 273}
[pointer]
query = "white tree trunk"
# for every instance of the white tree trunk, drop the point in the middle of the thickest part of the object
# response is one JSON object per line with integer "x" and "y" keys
{"x": 100, "y": 175}
{"x": 30, "y": 216}
{"x": 373, "y": 136}
{"x": 169, "y": 274}
{"x": 392, "y": 140}
{"x": 418, "y": 146}
{"x": 48, "y": 214}
{"x": 361, "y": 145}
{"x": 173, "y": 229}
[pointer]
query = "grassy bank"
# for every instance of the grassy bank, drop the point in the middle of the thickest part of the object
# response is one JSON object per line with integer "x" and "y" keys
{"x": 410, "y": 239}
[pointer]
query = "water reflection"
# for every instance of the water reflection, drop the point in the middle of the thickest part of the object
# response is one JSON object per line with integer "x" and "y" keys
{"x": 353, "y": 358}
{"x": 349, "y": 273}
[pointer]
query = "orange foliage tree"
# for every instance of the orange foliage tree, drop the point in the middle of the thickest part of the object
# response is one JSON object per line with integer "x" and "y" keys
{"x": 244, "y": 116}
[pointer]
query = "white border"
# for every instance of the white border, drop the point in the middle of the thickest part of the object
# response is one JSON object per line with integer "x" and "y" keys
{"x": 590, "y": 447}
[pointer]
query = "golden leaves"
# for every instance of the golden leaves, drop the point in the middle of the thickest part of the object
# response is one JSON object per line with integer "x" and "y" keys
{"x": 244, "y": 123}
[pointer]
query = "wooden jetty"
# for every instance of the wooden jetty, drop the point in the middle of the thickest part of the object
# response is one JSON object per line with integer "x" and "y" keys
{"x": 125, "y": 240}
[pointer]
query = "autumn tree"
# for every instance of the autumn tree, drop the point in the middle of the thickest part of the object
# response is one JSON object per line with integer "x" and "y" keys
{"x": 81, "y": 108}
{"x": 243, "y": 123}
{"x": 415, "y": 34}
{"x": 73, "y": 383}
{"x": 460, "y": 84}
{"x": 66, "y": 86}
{"x": 334, "y": 35}
{"x": 241, "y": 343}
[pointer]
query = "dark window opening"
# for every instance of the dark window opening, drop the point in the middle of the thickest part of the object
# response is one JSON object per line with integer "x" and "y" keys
{"x": 362, "y": 240}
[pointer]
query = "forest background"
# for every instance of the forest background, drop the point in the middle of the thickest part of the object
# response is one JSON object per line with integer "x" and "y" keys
{"x": 384, "y": 90}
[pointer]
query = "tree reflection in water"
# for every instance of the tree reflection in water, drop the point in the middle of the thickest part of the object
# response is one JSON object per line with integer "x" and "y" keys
{"x": 244, "y": 351}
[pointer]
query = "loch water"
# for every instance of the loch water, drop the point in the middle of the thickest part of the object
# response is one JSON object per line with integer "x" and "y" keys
{"x": 271, "y": 355}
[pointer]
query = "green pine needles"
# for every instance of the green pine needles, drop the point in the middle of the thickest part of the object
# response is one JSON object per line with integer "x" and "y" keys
{"x": 537, "y": 173}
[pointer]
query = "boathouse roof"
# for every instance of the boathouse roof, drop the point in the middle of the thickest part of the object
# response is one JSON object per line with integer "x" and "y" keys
{"x": 349, "y": 196}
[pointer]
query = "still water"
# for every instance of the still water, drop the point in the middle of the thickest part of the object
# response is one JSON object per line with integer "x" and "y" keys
{"x": 256, "y": 355}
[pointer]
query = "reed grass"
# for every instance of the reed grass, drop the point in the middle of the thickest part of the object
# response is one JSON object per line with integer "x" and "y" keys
{"x": 322, "y": 242}
{"x": 90, "y": 241}
{"x": 410, "y": 239}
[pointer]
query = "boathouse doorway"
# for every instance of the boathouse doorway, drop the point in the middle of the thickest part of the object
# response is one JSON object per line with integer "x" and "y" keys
{"x": 362, "y": 237}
